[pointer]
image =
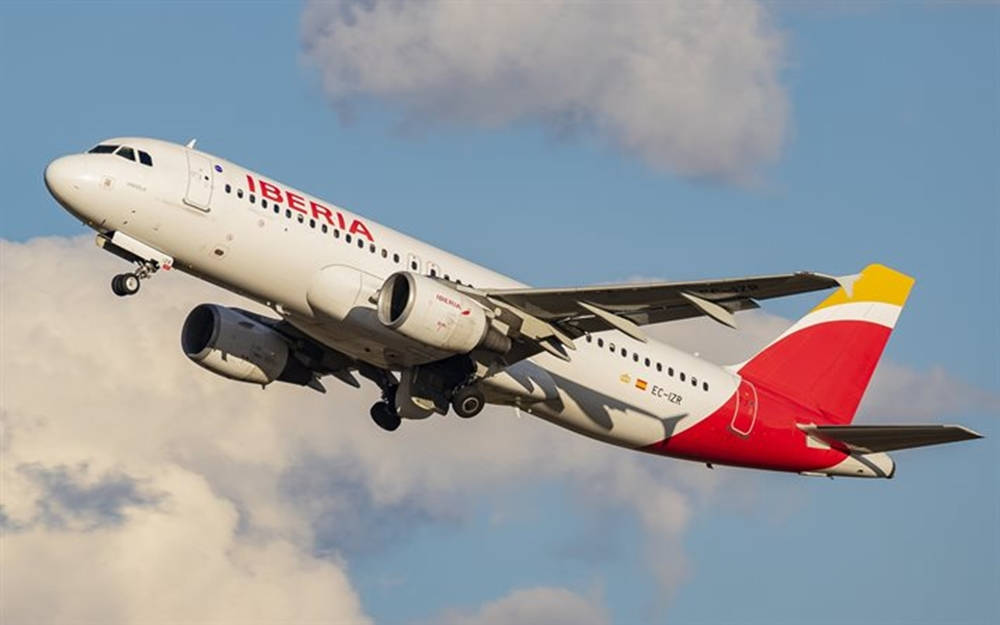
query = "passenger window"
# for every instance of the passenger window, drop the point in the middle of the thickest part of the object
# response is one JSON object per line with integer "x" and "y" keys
{"x": 323, "y": 228}
{"x": 704, "y": 385}
{"x": 371, "y": 248}
{"x": 145, "y": 159}
{"x": 600, "y": 342}
{"x": 229, "y": 188}
{"x": 239, "y": 193}
{"x": 433, "y": 272}
{"x": 336, "y": 233}
{"x": 263, "y": 202}
{"x": 302, "y": 218}
{"x": 312, "y": 223}
{"x": 670, "y": 371}
{"x": 624, "y": 353}
{"x": 647, "y": 362}
{"x": 361, "y": 243}
{"x": 288, "y": 213}
{"x": 682, "y": 376}
{"x": 635, "y": 357}
{"x": 395, "y": 258}
{"x": 659, "y": 367}
{"x": 103, "y": 149}
{"x": 126, "y": 153}
{"x": 253, "y": 198}
{"x": 385, "y": 253}
{"x": 347, "y": 238}
{"x": 277, "y": 209}
{"x": 611, "y": 347}
{"x": 694, "y": 381}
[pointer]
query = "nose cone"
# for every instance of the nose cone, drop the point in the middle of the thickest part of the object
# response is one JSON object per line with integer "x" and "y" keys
{"x": 62, "y": 177}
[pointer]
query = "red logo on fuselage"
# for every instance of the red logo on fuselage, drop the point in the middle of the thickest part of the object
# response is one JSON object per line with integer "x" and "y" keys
{"x": 311, "y": 208}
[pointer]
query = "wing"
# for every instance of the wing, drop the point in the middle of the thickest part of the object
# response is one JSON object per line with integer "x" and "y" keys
{"x": 871, "y": 438}
{"x": 550, "y": 318}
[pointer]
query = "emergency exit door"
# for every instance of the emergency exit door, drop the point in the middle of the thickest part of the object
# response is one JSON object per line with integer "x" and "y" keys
{"x": 746, "y": 409}
{"x": 199, "y": 187}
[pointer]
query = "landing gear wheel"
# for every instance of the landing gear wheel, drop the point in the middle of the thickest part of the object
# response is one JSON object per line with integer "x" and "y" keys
{"x": 468, "y": 402}
{"x": 125, "y": 284}
{"x": 384, "y": 415}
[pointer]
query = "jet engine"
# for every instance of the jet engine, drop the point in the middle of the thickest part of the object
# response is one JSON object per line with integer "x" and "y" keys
{"x": 433, "y": 313}
{"x": 235, "y": 345}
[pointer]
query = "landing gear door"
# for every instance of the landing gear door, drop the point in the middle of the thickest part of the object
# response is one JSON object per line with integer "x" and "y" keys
{"x": 199, "y": 186}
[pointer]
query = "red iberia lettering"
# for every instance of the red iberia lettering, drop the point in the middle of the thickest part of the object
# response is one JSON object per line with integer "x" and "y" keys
{"x": 359, "y": 228}
{"x": 295, "y": 201}
{"x": 270, "y": 191}
{"x": 298, "y": 202}
{"x": 318, "y": 210}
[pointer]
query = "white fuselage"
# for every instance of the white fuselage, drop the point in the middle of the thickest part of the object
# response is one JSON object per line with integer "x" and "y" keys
{"x": 209, "y": 215}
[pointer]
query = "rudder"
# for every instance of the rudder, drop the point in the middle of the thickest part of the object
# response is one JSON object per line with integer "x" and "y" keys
{"x": 826, "y": 359}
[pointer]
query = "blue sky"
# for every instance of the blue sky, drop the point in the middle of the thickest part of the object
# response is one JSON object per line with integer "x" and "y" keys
{"x": 891, "y": 154}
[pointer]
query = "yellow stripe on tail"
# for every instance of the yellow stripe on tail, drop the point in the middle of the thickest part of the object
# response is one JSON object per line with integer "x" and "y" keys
{"x": 875, "y": 283}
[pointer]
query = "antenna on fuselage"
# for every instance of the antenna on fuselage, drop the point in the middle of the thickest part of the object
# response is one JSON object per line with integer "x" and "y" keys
{"x": 190, "y": 144}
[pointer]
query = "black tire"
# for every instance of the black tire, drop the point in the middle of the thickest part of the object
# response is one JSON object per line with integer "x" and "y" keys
{"x": 468, "y": 402}
{"x": 116, "y": 286}
{"x": 385, "y": 417}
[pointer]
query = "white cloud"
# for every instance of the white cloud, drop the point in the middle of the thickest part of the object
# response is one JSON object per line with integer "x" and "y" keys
{"x": 134, "y": 482}
{"x": 690, "y": 87}
{"x": 552, "y": 606}
{"x": 129, "y": 472}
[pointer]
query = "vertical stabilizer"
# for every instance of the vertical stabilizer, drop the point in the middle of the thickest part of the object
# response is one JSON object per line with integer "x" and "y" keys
{"x": 827, "y": 358}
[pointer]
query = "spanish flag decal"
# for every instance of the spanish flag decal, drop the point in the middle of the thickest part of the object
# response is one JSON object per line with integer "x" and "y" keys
{"x": 640, "y": 384}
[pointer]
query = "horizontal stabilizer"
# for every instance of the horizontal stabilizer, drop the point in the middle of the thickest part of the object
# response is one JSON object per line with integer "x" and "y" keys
{"x": 872, "y": 438}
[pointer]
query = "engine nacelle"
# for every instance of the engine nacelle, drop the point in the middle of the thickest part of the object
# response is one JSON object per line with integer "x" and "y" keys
{"x": 437, "y": 315}
{"x": 234, "y": 345}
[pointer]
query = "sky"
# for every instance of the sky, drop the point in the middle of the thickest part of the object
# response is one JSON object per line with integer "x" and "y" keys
{"x": 560, "y": 143}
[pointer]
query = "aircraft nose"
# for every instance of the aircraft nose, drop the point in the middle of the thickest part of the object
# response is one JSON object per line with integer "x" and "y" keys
{"x": 62, "y": 178}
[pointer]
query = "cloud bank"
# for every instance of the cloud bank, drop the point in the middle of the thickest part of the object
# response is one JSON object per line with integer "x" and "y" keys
{"x": 688, "y": 87}
{"x": 137, "y": 487}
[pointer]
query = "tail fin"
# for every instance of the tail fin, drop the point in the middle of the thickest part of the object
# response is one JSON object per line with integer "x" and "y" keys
{"x": 827, "y": 358}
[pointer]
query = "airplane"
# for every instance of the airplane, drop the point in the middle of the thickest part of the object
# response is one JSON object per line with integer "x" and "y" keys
{"x": 436, "y": 332}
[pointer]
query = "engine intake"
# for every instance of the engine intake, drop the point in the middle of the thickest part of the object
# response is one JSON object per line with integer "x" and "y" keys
{"x": 437, "y": 315}
{"x": 230, "y": 343}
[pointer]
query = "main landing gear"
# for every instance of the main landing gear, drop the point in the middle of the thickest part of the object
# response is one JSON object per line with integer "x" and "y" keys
{"x": 383, "y": 412}
{"x": 385, "y": 416}
{"x": 467, "y": 402}
{"x": 125, "y": 284}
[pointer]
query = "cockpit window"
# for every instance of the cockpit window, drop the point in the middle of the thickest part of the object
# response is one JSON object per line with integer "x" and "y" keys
{"x": 103, "y": 149}
{"x": 126, "y": 152}
{"x": 145, "y": 158}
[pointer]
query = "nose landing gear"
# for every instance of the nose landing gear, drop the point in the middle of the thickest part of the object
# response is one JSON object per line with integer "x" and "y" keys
{"x": 125, "y": 284}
